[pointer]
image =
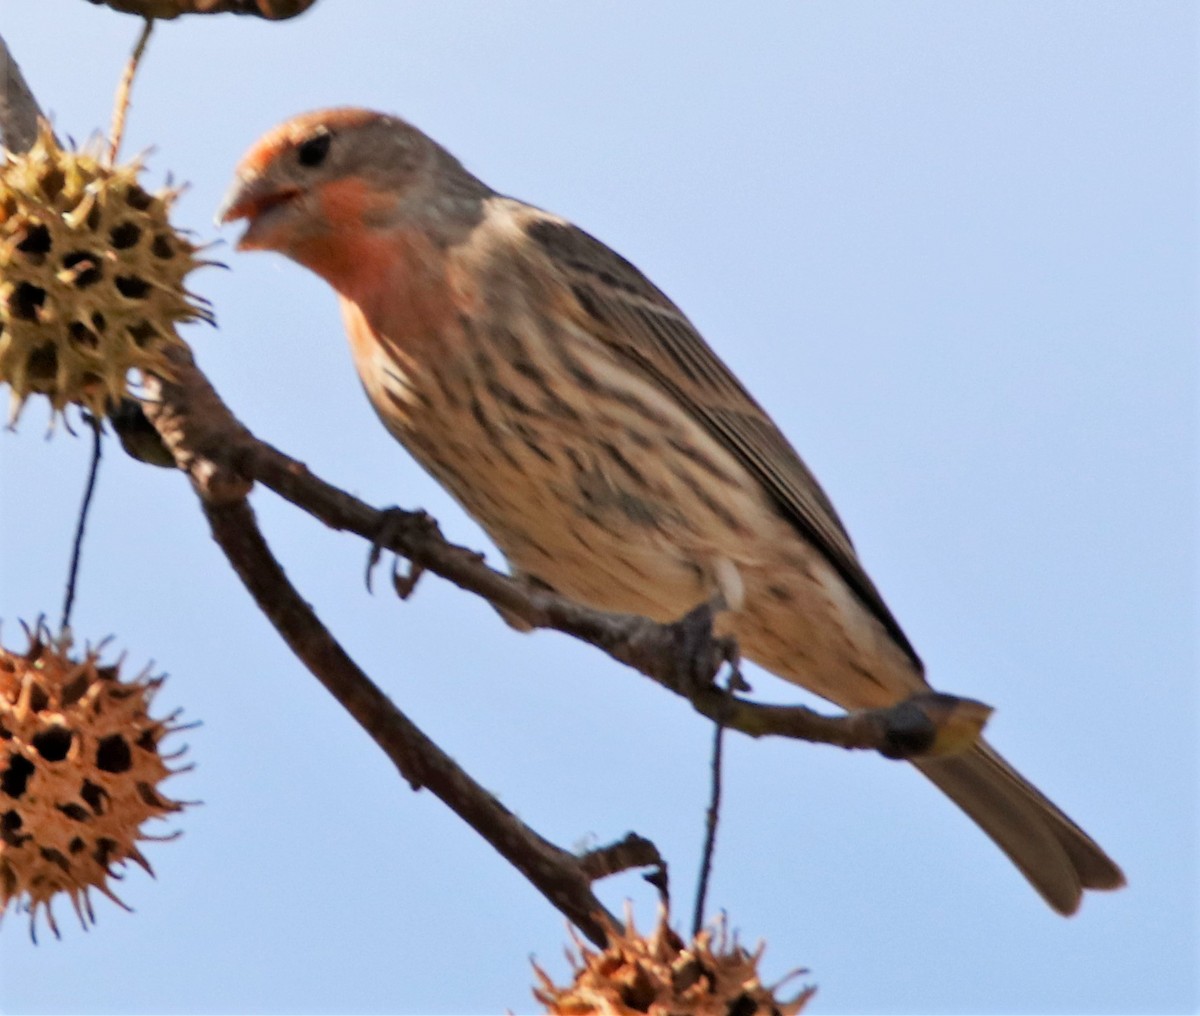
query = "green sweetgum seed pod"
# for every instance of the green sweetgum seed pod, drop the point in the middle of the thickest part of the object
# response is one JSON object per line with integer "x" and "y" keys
{"x": 91, "y": 277}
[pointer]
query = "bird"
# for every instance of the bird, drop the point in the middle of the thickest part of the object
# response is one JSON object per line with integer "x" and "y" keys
{"x": 582, "y": 420}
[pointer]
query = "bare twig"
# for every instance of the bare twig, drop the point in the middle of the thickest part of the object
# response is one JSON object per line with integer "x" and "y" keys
{"x": 633, "y": 851}
{"x": 712, "y": 815}
{"x": 124, "y": 91}
{"x": 272, "y": 10}
{"x": 19, "y": 110}
{"x": 89, "y": 491}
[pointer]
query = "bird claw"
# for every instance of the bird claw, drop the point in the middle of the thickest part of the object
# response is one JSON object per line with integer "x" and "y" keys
{"x": 699, "y": 653}
{"x": 393, "y": 521}
{"x": 405, "y": 583}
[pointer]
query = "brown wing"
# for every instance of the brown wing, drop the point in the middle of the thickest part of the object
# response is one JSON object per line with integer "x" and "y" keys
{"x": 644, "y": 327}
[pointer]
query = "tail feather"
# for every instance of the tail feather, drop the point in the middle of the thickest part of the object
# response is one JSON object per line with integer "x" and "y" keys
{"x": 1058, "y": 858}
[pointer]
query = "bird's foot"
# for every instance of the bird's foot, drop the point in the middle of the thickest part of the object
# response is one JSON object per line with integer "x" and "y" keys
{"x": 393, "y": 522}
{"x": 699, "y": 653}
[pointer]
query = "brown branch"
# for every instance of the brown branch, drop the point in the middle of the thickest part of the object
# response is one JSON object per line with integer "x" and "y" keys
{"x": 19, "y": 110}
{"x": 223, "y": 458}
{"x": 272, "y": 10}
{"x": 561, "y": 877}
{"x": 125, "y": 92}
{"x": 633, "y": 851}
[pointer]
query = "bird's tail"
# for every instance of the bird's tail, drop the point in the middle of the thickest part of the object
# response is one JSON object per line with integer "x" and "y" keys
{"x": 1059, "y": 859}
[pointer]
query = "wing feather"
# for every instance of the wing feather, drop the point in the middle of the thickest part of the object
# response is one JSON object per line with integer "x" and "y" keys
{"x": 651, "y": 334}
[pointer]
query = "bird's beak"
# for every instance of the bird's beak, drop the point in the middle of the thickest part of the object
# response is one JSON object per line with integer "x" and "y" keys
{"x": 260, "y": 204}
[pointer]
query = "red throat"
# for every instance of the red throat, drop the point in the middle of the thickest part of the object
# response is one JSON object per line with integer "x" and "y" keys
{"x": 351, "y": 256}
{"x": 398, "y": 281}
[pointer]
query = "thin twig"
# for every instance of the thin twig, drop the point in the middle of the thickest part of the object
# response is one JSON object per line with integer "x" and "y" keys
{"x": 81, "y": 524}
{"x": 633, "y": 851}
{"x": 711, "y": 819}
{"x": 124, "y": 91}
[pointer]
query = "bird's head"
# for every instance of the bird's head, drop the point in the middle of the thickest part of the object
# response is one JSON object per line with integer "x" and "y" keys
{"x": 324, "y": 186}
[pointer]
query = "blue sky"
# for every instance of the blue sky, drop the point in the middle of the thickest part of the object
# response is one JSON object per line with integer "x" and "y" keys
{"x": 952, "y": 247}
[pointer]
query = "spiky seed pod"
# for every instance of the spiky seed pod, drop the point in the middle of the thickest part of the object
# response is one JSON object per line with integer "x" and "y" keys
{"x": 91, "y": 276}
{"x": 80, "y": 765}
{"x": 661, "y": 975}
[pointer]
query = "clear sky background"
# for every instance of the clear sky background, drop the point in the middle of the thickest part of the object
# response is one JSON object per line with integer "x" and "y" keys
{"x": 951, "y": 246}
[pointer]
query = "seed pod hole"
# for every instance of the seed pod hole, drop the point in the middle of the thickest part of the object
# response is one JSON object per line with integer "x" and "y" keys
{"x": 26, "y": 300}
{"x": 85, "y": 266}
{"x": 131, "y": 287}
{"x": 37, "y": 240}
{"x": 82, "y": 335}
{"x": 137, "y": 198}
{"x": 53, "y": 743}
{"x": 113, "y": 755}
{"x": 125, "y": 235}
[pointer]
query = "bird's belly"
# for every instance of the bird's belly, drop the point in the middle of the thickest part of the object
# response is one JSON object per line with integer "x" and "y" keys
{"x": 606, "y": 523}
{"x": 613, "y": 496}
{"x": 658, "y": 551}
{"x": 617, "y": 498}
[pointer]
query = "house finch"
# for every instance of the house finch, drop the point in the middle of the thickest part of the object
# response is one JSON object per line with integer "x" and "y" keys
{"x": 580, "y": 418}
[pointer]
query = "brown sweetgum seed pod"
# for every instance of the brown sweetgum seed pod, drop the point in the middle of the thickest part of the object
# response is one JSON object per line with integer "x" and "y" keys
{"x": 661, "y": 975}
{"x": 91, "y": 277}
{"x": 80, "y": 767}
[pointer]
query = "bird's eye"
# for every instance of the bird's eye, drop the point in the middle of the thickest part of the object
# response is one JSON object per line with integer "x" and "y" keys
{"x": 313, "y": 151}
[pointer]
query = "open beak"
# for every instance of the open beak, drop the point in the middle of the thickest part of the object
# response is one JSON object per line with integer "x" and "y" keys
{"x": 260, "y": 206}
